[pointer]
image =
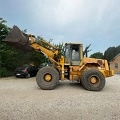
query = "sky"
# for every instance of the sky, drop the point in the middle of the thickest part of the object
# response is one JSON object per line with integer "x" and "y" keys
{"x": 95, "y": 22}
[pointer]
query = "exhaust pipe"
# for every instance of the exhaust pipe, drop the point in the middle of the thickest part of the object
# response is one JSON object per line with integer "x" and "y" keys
{"x": 18, "y": 39}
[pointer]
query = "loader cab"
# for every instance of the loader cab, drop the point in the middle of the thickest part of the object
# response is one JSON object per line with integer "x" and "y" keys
{"x": 73, "y": 53}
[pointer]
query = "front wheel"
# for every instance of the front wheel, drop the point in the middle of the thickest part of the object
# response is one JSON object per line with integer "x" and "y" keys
{"x": 93, "y": 80}
{"x": 47, "y": 78}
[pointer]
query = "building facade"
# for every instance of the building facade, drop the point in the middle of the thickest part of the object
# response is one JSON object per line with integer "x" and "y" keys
{"x": 115, "y": 64}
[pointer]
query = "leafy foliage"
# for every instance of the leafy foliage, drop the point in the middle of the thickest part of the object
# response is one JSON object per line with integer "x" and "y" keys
{"x": 11, "y": 58}
{"x": 4, "y": 30}
{"x": 98, "y": 55}
{"x": 61, "y": 48}
{"x": 111, "y": 52}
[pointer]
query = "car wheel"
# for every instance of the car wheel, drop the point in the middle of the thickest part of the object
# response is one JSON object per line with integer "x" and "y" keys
{"x": 28, "y": 75}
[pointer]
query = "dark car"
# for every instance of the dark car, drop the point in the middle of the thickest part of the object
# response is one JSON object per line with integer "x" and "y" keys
{"x": 26, "y": 71}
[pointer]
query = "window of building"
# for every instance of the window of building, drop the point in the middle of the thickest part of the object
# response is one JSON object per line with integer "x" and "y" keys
{"x": 116, "y": 65}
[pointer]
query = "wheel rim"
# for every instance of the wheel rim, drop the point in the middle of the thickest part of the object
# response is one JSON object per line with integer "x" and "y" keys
{"x": 94, "y": 80}
{"x": 28, "y": 75}
{"x": 48, "y": 77}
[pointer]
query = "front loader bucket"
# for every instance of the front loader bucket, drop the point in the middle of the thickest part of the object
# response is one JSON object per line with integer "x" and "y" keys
{"x": 18, "y": 39}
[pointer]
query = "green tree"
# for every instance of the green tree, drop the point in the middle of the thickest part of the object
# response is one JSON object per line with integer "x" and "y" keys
{"x": 36, "y": 57}
{"x": 61, "y": 48}
{"x": 98, "y": 55}
{"x": 11, "y": 58}
{"x": 4, "y": 30}
{"x": 111, "y": 52}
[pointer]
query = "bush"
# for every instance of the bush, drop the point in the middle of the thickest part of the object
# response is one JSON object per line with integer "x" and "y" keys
{"x": 5, "y": 73}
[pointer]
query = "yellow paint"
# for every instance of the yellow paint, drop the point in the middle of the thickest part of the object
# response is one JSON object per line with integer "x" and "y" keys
{"x": 93, "y": 80}
{"x": 48, "y": 77}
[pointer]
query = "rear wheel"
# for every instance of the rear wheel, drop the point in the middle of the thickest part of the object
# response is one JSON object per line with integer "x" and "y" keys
{"x": 93, "y": 80}
{"x": 47, "y": 78}
{"x": 28, "y": 75}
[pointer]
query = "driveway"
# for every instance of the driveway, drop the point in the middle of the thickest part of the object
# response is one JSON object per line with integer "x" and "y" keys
{"x": 22, "y": 99}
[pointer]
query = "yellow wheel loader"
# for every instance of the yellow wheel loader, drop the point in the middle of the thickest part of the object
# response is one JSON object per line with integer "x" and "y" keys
{"x": 72, "y": 66}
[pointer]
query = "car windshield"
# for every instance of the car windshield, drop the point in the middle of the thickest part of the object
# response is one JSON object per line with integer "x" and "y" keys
{"x": 23, "y": 67}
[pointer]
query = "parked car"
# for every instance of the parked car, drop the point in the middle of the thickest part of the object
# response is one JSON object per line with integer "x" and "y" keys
{"x": 26, "y": 71}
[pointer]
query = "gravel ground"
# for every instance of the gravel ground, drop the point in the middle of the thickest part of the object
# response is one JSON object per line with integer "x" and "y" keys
{"x": 22, "y": 99}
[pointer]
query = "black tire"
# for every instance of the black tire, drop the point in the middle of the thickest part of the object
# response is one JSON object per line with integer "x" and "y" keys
{"x": 28, "y": 75}
{"x": 47, "y": 78}
{"x": 93, "y": 80}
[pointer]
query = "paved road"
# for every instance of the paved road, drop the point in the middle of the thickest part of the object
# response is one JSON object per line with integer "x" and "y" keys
{"x": 22, "y": 99}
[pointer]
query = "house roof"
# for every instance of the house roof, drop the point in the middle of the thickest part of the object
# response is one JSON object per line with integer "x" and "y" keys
{"x": 115, "y": 57}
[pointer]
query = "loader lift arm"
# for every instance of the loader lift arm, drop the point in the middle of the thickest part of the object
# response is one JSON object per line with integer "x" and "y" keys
{"x": 28, "y": 42}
